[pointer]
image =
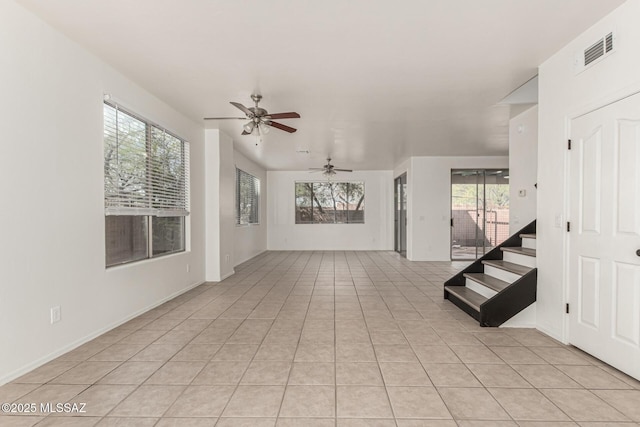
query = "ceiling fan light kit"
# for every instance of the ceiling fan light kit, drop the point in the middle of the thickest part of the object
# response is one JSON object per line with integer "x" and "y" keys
{"x": 329, "y": 170}
{"x": 260, "y": 120}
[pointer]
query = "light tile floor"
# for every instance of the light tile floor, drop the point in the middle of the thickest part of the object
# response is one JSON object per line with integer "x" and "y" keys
{"x": 324, "y": 339}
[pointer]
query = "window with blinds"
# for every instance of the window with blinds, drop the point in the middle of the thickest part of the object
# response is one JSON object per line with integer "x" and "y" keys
{"x": 247, "y": 198}
{"x": 146, "y": 184}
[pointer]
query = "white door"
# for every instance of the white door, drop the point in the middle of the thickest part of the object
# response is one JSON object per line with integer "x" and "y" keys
{"x": 604, "y": 270}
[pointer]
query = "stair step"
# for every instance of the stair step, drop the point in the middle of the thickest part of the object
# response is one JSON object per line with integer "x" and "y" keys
{"x": 465, "y": 294}
{"x": 527, "y": 236}
{"x": 488, "y": 281}
{"x": 518, "y": 269}
{"x": 519, "y": 250}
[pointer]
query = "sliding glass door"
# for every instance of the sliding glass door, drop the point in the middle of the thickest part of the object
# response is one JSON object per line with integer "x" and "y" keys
{"x": 400, "y": 193}
{"x": 479, "y": 211}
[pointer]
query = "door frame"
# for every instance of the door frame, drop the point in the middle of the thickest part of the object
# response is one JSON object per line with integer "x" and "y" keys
{"x": 478, "y": 172}
{"x": 595, "y": 105}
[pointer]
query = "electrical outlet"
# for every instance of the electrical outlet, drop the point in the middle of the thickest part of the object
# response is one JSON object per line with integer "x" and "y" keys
{"x": 227, "y": 258}
{"x": 188, "y": 268}
{"x": 55, "y": 314}
{"x": 522, "y": 193}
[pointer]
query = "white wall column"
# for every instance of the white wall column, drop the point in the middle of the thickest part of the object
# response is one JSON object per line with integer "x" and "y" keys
{"x": 220, "y": 210}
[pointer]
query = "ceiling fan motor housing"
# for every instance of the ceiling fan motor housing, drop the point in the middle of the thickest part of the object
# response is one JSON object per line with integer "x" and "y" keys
{"x": 260, "y": 118}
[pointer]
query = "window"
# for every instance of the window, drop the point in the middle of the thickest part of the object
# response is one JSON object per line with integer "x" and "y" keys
{"x": 247, "y": 198}
{"x": 329, "y": 202}
{"x": 146, "y": 188}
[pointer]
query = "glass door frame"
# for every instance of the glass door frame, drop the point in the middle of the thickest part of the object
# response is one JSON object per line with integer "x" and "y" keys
{"x": 478, "y": 173}
{"x": 400, "y": 214}
{"x": 481, "y": 210}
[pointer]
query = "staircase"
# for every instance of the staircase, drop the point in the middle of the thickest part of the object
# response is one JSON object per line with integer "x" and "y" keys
{"x": 499, "y": 285}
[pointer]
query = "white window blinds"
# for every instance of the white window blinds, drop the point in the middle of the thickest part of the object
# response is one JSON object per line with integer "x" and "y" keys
{"x": 146, "y": 169}
{"x": 247, "y": 198}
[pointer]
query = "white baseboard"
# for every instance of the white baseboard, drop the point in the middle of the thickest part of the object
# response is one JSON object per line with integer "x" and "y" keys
{"x": 229, "y": 274}
{"x": 550, "y": 333}
{"x": 49, "y": 357}
{"x": 525, "y": 319}
{"x": 251, "y": 257}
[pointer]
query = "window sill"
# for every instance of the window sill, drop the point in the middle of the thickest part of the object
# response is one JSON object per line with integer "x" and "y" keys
{"x": 329, "y": 223}
{"x": 146, "y": 260}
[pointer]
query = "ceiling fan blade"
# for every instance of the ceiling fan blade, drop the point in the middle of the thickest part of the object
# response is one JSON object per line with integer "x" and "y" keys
{"x": 291, "y": 115}
{"x": 343, "y": 170}
{"x": 282, "y": 127}
{"x": 316, "y": 169}
{"x": 225, "y": 118}
{"x": 244, "y": 132}
{"x": 242, "y": 108}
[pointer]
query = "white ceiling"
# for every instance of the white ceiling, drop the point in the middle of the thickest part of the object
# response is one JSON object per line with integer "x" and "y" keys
{"x": 374, "y": 81}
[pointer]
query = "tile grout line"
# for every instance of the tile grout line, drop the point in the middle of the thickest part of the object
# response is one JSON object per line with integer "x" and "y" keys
{"x": 375, "y": 354}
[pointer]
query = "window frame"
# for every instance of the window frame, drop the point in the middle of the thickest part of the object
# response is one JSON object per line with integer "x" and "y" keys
{"x": 295, "y": 206}
{"x": 149, "y": 127}
{"x": 256, "y": 197}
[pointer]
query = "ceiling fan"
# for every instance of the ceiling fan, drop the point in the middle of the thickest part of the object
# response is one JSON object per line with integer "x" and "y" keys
{"x": 259, "y": 118}
{"x": 329, "y": 169}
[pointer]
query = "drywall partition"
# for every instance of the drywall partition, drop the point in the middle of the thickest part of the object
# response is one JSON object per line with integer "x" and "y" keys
{"x": 220, "y": 205}
{"x": 523, "y": 168}
{"x": 52, "y": 184}
{"x": 251, "y": 240}
{"x": 564, "y": 94}
{"x": 375, "y": 234}
{"x": 429, "y": 213}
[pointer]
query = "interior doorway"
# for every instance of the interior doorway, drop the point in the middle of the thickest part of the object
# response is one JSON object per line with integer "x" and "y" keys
{"x": 604, "y": 234}
{"x": 401, "y": 215}
{"x": 479, "y": 211}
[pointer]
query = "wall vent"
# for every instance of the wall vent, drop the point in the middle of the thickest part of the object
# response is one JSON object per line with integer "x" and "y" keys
{"x": 595, "y": 52}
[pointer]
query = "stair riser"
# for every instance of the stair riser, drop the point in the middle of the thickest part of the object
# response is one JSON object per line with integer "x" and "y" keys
{"x": 479, "y": 288}
{"x": 520, "y": 259}
{"x": 464, "y": 307}
{"x": 501, "y": 274}
{"x": 528, "y": 243}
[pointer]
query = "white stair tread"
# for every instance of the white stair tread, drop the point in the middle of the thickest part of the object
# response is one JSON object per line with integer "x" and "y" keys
{"x": 508, "y": 266}
{"x": 527, "y": 236}
{"x": 472, "y": 298}
{"x": 519, "y": 250}
{"x": 488, "y": 281}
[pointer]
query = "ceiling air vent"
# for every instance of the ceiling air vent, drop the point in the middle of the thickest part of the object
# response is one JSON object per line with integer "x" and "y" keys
{"x": 609, "y": 42}
{"x": 595, "y": 52}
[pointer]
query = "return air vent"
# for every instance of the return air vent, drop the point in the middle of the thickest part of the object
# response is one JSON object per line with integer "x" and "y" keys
{"x": 595, "y": 52}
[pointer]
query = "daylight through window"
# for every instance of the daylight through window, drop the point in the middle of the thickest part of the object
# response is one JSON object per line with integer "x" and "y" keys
{"x": 247, "y": 198}
{"x": 146, "y": 185}
{"x": 329, "y": 202}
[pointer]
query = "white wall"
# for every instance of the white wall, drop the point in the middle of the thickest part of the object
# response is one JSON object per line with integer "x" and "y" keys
{"x": 523, "y": 168}
{"x": 429, "y": 207}
{"x": 52, "y": 186}
{"x": 220, "y": 190}
{"x": 375, "y": 234}
{"x": 563, "y": 95}
{"x": 251, "y": 240}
